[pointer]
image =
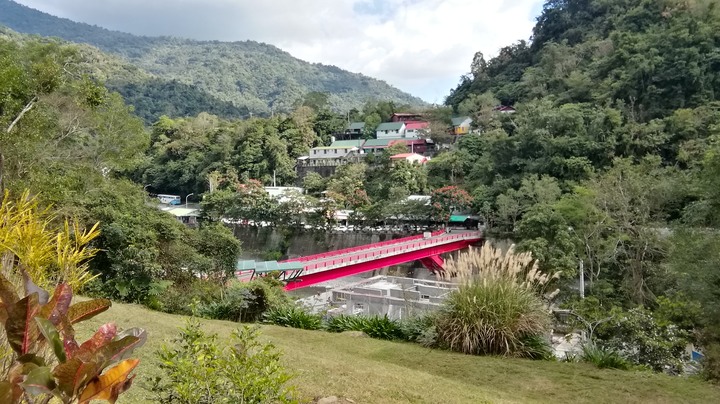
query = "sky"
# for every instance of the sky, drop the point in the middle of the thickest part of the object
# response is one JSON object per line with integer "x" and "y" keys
{"x": 419, "y": 46}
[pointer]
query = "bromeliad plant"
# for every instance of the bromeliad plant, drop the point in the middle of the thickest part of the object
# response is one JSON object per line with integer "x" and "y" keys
{"x": 46, "y": 361}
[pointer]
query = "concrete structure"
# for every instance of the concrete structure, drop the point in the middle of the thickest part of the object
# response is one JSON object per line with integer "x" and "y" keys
{"x": 396, "y": 297}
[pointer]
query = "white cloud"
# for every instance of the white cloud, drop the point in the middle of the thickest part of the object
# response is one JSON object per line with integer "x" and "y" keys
{"x": 420, "y": 46}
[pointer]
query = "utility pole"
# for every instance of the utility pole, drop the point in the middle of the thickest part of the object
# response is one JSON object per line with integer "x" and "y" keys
{"x": 582, "y": 279}
{"x": 274, "y": 179}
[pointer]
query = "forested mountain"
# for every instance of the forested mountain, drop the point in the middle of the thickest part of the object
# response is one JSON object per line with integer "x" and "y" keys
{"x": 655, "y": 56}
{"x": 247, "y": 76}
{"x": 611, "y": 159}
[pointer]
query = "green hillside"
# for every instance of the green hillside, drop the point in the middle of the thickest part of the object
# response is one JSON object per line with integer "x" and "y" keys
{"x": 252, "y": 76}
{"x": 374, "y": 371}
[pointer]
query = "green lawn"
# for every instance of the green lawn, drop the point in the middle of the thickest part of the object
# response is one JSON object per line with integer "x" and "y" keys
{"x": 373, "y": 371}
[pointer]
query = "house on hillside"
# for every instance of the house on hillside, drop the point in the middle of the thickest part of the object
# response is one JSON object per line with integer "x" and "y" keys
{"x": 413, "y": 129}
{"x": 355, "y": 128}
{"x": 413, "y": 145}
{"x": 405, "y": 116}
{"x": 412, "y": 158}
{"x": 186, "y": 216}
{"x": 461, "y": 125}
{"x": 376, "y": 145}
{"x": 325, "y": 160}
{"x": 504, "y": 109}
{"x": 389, "y": 130}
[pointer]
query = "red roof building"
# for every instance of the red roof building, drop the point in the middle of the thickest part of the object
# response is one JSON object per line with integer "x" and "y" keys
{"x": 416, "y": 125}
{"x": 411, "y": 158}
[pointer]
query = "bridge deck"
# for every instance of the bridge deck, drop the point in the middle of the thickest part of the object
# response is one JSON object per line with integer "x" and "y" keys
{"x": 342, "y": 263}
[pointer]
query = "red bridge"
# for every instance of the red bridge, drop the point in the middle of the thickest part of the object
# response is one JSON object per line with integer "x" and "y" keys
{"x": 310, "y": 270}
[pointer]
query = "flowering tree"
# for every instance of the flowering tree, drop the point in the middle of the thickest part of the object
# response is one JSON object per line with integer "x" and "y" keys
{"x": 447, "y": 200}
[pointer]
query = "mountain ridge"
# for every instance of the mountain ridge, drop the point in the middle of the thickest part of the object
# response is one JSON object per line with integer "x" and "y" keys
{"x": 253, "y": 76}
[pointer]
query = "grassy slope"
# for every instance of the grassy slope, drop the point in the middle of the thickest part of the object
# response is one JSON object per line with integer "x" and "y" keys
{"x": 373, "y": 371}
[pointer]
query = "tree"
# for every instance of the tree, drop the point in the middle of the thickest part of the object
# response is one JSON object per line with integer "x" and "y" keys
{"x": 371, "y": 123}
{"x": 447, "y": 200}
{"x": 218, "y": 243}
{"x": 347, "y": 181}
{"x": 314, "y": 183}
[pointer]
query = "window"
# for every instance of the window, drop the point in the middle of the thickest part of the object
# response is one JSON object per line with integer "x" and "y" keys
{"x": 425, "y": 297}
{"x": 325, "y": 151}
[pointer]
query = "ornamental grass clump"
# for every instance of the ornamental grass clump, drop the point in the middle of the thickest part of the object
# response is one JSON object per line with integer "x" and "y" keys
{"x": 498, "y": 308}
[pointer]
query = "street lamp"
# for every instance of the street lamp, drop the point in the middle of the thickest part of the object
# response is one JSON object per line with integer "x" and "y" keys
{"x": 145, "y": 187}
{"x": 186, "y": 198}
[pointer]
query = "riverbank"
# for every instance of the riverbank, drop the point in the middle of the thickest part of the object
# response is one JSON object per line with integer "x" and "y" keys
{"x": 374, "y": 371}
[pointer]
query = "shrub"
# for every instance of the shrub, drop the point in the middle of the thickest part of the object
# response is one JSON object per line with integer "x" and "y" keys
{"x": 537, "y": 347}
{"x": 183, "y": 298}
{"x": 44, "y": 360}
{"x": 242, "y": 302}
{"x": 199, "y": 370}
{"x": 230, "y": 306}
{"x": 380, "y": 327}
{"x": 604, "y": 357}
{"x": 48, "y": 256}
{"x": 266, "y": 293}
{"x": 344, "y": 323}
{"x": 418, "y": 329}
{"x": 642, "y": 340}
{"x": 40, "y": 359}
{"x": 293, "y": 316}
{"x": 497, "y": 308}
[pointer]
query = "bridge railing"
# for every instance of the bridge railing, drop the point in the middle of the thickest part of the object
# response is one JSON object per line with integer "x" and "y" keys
{"x": 344, "y": 251}
{"x": 330, "y": 264}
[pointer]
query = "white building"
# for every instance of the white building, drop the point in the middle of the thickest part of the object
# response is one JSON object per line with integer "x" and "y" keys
{"x": 390, "y": 130}
{"x": 412, "y": 158}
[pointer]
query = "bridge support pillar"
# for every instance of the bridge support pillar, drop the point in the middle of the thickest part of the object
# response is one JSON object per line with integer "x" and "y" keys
{"x": 434, "y": 263}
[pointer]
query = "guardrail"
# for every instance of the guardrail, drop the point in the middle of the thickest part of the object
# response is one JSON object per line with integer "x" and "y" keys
{"x": 344, "y": 251}
{"x": 358, "y": 258}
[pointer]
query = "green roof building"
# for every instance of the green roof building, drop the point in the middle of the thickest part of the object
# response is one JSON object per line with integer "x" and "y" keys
{"x": 390, "y": 130}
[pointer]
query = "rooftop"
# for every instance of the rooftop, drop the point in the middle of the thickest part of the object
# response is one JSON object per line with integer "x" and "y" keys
{"x": 183, "y": 212}
{"x": 356, "y": 126}
{"x": 341, "y": 144}
{"x": 336, "y": 147}
{"x": 406, "y": 155}
{"x": 390, "y": 126}
{"x": 378, "y": 142}
{"x": 415, "y": 125}
{"x": 458, "y": 120}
